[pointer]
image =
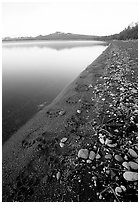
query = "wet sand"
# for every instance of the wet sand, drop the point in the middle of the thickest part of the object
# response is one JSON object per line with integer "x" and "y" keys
{"x": 34, "y": 157}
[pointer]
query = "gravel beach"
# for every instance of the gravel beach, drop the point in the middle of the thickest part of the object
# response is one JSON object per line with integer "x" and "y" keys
{"x": 83, "y": 147}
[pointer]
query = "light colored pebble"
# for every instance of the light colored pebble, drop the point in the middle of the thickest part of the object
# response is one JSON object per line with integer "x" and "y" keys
{"x": 64, "y": 139}
{"x": 108, "y": 156}
{"x": 126, "y": 157}
{"x": 126, "y": 165}
{"x": 79, "y": 111}
{"x": 58, "y": 175}
{"x": 61, "y": 144}
{"x": 118, "y": 190}
{"x": 123, "y": 188}
{"x": 118, "y": 158}
{"x": 101, "y": 140}
{"x": 62, "y": 112}
{"x": 130, "y": 176}
{"x": 83, "y": 153}
{"x": 112, "y": 145}
{"x": 133, "y": 165}
{"x": 91, "y": 155}
{"x": 132, "y": 153}
{"x": 98, "y": 156}
{"x": 89, "y": 161}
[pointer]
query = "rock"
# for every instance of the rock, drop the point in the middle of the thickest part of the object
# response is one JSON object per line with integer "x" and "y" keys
{"x": 123, "y": 188}
{"x": 126, "y": 157}
{"x": 118, "y": 190}
{"x": 64, "y": 139}
{"x": 132, "y": 153}
{"x": 133, "y": 165}
{"x": 126, "y": 165}
{"x": 101, "y": 140}
{"x": 89, "y": 161}
{"x": 83, "y": 153}
{"x": 108, "y": 156}
{"x": 112, "y": 145}
{"x": 98, "y": 156}
{"x": 58, "y": 175}
{"x": 62, "y": 112}
{"x": 61, "y": 144}
{"x": 78, "y": 111}
{"x": 130, "y": 176}
{"x": 118, "y": 158}
{"x": 91, "y": 155}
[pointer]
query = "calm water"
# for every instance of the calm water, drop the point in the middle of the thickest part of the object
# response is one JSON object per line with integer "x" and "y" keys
{"x": 36, "y": 72}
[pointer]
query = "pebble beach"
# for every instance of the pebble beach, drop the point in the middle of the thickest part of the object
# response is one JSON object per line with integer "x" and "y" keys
{"x": 83, "y": 147}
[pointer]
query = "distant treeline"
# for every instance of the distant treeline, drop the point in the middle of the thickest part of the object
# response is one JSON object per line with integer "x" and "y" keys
{"x": 126, "y": 34}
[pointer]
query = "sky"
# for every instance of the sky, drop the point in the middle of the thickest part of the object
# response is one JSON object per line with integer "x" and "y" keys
{"x": 92, "y": 17}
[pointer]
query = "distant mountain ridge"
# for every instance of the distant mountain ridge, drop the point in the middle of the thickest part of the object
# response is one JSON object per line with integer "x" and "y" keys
{"x": 55, "y": 36}
{"x": 131, "y": 32}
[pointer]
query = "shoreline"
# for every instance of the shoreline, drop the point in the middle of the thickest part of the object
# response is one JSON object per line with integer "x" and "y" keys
{"x": 50, "y": 125}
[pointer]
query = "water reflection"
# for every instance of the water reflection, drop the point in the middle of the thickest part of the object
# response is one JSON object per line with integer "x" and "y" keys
{"x": 57, "y": 45}
{"x": 36, "y": 72}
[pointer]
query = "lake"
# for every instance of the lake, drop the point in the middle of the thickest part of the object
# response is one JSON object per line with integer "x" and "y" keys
{"x": 35, "y": 72}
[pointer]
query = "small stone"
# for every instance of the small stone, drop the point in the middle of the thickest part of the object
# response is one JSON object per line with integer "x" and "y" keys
{"x": 118, "y": 190}
{"x": 83, "y": 153}
{"x": 118, "y": 158}
{"x": 62, "y": 112}
{"x": 89, "y": 161}
{"x": 61, "y": 144}
{"x": 132, "y": 153}
{"x": 126, "y": 157}
{"x": 98, "y": 156}
{"x": 130, "y": 176}
{"x": 126, "y": 165}
{"x": 123, "y": 188}
{"x": 112, "y": 145}
{"x": 133, "y": 165}
{"x": 64, "y": 139}
{"x": 91, "y": 155}
{"x": 93, "y": 167}
{"x": 101, "y": 140}
{"x": 79, "y": 111}
{"x": 107, "y": 172}
{"x": 58, "y": 175}
{"x": 108, "y": 156}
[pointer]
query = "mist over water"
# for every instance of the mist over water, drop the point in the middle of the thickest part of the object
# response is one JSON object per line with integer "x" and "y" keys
{"x": 36, "y": 71}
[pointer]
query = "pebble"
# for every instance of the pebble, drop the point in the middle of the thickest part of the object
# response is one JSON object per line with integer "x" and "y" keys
{"x": 118, "y": 158}
{"x": 98, "y": 156}
{"x": 133, "y": 165}
{"x": 62, "y": 112}
{"x": 108, "y": 156}
{"x": 61, "y": 144}
{"x": 130, "y": 176}
{"x": 123, "y": 188}
{"x": 64, "y": 139}
{"x": 101, "y": 140}
{"x": 83, "y": 153}
{"x": 126, "y": 157}
{"x": 58, "y": 175}
{"x": 112, "y": 145}
{"x": 91, "y": 155}
{"x": 126, "y": 165}
{"x": 89, "y": 161}
{"x": 118, "y": 190}
{"x": 132, "y": 153}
